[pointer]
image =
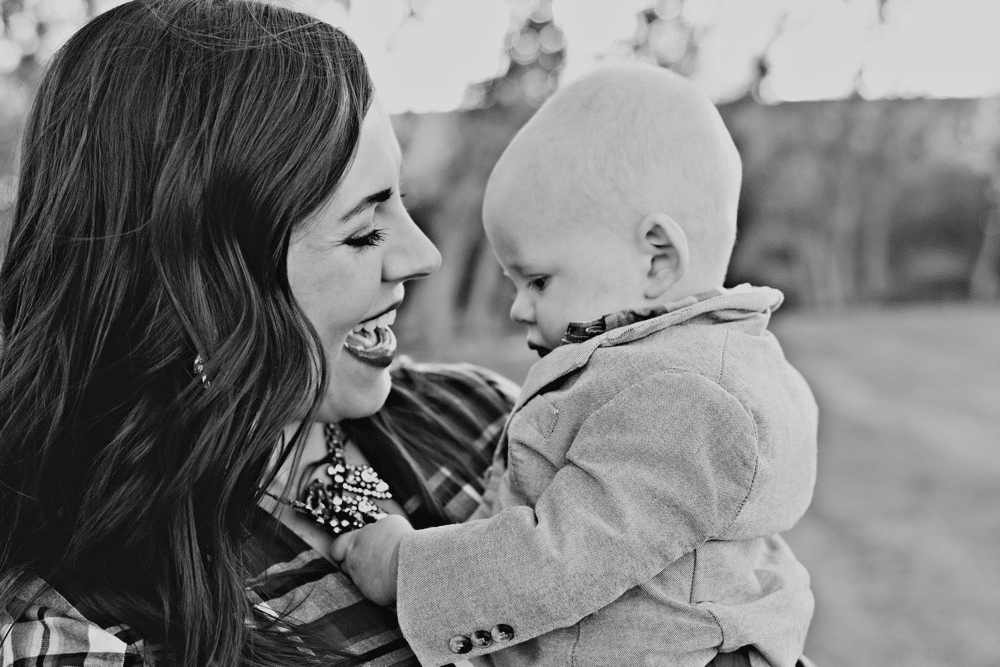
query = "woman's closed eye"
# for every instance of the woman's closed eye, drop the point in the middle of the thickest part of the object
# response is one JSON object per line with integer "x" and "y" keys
{"x": 370, "y": 239}
{"x": 374, "y": 237}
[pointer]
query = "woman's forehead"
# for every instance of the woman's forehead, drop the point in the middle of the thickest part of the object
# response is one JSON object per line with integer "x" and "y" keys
{"x": 376, "y": 163}
{"x": 378, "y": 148}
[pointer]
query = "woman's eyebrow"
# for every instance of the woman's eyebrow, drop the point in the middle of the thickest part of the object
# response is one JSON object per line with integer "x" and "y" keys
{"x": 370, "y": 200}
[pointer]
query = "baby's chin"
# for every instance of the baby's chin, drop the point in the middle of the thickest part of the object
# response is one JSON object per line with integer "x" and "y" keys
{"x": 540, "y": 349}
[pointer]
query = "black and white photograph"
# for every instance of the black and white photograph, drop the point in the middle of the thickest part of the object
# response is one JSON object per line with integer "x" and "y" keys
{"x": 499, "y": 333}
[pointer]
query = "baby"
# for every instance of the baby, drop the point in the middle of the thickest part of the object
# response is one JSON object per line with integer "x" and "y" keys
{"x": 662, "y": 441}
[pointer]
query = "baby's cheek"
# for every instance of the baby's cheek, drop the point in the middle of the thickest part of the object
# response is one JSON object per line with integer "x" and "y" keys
{"x": 554, "y": 334}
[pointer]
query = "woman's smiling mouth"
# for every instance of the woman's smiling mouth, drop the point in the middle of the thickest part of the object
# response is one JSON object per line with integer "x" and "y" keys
{"x": 373, "y": 342}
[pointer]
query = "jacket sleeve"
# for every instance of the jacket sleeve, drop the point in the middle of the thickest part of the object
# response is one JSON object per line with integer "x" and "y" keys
{"x": 660, "y": 468}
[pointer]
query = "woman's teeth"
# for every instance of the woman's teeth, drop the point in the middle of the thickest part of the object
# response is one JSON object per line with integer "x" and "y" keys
{"x": 380, "y": 322}
{"x": 372, "y": 341}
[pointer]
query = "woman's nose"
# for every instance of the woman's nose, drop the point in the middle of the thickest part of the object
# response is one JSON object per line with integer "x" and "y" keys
{"x": 411, "y": 256}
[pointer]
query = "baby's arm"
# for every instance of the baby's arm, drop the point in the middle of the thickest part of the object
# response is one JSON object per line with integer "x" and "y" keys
{"x": 660, "y": 468}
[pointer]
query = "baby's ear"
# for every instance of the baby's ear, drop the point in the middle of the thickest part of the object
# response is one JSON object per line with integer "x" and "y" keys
{"x": 665, "y": 245}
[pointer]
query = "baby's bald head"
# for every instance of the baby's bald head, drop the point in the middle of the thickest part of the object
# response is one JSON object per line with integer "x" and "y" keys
{"x": 621, "y": 143}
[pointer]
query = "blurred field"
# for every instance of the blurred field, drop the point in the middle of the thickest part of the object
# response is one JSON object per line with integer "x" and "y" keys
{"x": 903, "y": 536}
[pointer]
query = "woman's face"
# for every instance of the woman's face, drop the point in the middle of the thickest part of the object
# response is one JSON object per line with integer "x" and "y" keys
{"x": 347, "y": 266}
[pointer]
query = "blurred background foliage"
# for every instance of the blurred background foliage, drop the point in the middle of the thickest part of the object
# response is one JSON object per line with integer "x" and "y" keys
{"x": 855, "y": 200}
{"x": 845, "y": 202}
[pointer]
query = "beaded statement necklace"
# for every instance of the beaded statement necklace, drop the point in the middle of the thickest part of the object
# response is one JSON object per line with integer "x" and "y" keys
{"x": 345, "y": 503}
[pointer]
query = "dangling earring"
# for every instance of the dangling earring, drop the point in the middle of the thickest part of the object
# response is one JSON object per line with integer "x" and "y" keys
{"x": 199, "y": 372}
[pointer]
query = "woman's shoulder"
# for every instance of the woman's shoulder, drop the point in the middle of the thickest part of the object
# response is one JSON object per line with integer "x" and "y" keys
{"x": 436, "y": 436}
{"x": 40, "y": 627}
{"x": 437, "y": 402}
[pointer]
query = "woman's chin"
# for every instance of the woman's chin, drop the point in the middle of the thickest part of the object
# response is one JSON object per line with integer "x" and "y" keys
{"x": 357, "y": 387}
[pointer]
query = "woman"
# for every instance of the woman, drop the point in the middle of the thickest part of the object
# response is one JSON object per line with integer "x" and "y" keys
{"x": 208, "y": 247}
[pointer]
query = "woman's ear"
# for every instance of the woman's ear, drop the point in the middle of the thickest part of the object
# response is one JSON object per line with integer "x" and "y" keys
{"x": 665, "y": 244}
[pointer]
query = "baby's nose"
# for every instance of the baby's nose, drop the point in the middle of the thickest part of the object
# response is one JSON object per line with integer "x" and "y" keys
{"x": 521, "y": 310}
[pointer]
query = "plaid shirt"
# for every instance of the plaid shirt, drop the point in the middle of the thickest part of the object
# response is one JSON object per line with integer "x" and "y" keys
{"x": 433, "y": 443}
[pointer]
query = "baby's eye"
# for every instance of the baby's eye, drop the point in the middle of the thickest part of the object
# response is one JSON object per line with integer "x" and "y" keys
{"x": 539, "y": 283}
{"x": 370, "y": 240}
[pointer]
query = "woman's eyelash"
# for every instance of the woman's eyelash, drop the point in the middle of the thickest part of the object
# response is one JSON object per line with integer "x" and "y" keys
{"x": 369, "y": 240}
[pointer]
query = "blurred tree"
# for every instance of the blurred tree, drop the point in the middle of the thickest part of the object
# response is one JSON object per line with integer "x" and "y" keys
{"x": 468, "y": 295}
{"x": 35, "y": 29}
{"x": 844, "y": 201}
{"x": 32, "y": 31}
{"x": 666, "y": 38}
{"x": 866, "y": 201}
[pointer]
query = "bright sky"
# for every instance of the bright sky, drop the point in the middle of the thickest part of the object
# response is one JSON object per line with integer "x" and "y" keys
{"x": 826, "y": 48}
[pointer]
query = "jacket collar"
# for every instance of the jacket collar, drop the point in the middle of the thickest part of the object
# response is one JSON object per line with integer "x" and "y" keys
{"x": 579, "y": 332}
{"x": 729, "y": 305}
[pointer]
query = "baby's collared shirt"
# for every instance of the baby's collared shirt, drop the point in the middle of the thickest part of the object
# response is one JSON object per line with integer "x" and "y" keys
{"x": 578, "y": 332}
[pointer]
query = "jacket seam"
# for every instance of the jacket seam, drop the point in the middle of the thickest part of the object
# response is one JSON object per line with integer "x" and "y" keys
{"x": 576, "y": 643}
{"x": 687, "y": 371}
{"x": 756, "y": 466}
{"x": 722, "y": 362}
{"x": 545, "y": 428}
{"x": 722, "y": 631}
{"x": 756, "y": 442}
{"x": 746, "y": 498}
{"x": 694, "y": 572}
{"x": 553, "y": 418}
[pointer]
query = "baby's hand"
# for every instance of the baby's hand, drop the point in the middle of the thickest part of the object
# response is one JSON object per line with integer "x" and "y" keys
{"x": 370, "y": 556}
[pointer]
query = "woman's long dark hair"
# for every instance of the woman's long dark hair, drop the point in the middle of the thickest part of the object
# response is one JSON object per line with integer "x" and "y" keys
{"x": 172, "y": 149}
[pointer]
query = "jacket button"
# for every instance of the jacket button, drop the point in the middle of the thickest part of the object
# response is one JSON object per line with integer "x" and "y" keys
{"x": 460, "y": 644}
{"x": 502, "y": 632}
{"x": 481, "y": 639}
